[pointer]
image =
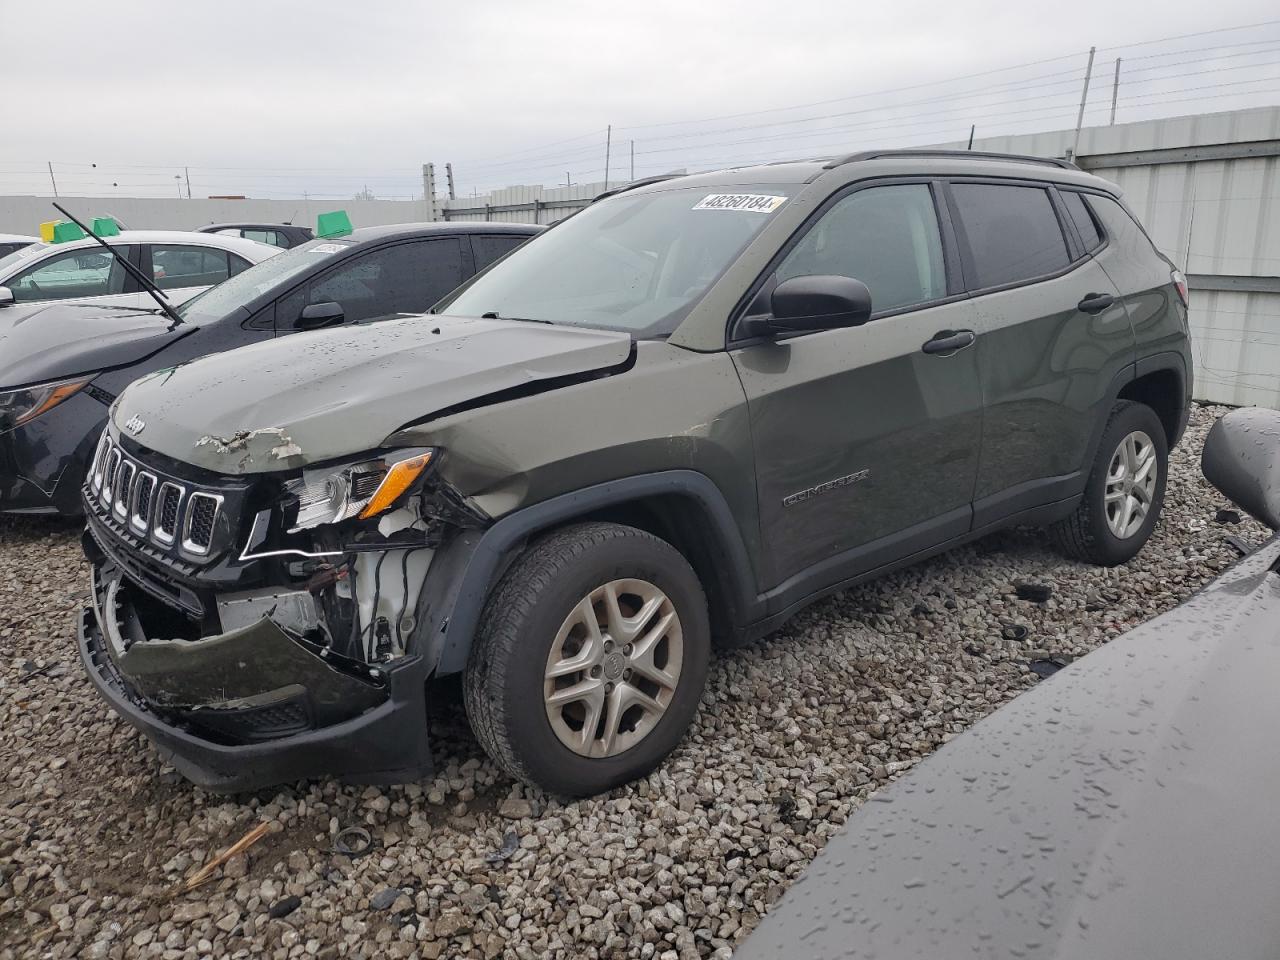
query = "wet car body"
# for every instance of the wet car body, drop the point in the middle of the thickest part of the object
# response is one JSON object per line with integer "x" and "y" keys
{"x": 522, "y": 421}
{"x": 43, "y": 461}
{"x": 1121, "y": 808}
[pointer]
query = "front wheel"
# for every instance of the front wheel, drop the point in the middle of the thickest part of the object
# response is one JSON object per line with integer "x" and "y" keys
{"x": 1124, "y": 492}
{"x": 590, "y": 660}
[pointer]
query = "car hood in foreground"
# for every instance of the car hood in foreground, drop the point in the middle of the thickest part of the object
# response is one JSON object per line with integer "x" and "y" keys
{"x": 1123, "y": 808}
{"x": 56, "y": 341}
{"x": 313, "y": 397}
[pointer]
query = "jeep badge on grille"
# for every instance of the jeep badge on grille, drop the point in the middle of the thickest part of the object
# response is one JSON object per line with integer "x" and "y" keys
{"x": 135, "y": 425}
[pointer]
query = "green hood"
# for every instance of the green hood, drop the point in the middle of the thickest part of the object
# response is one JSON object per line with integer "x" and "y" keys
{"x": 319, "y": 396}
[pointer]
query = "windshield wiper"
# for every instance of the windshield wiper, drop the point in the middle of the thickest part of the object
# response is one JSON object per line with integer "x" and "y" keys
{"x": 148, "y": 284}
{"x": 493, "y": 315}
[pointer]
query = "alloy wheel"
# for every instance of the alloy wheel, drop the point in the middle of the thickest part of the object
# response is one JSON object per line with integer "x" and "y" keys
{"x": 1131, "y": 484}
{"x": 613, "y": 668}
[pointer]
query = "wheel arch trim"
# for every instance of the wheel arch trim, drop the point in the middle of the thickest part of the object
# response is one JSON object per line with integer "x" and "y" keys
{"x": 487, "y": 555}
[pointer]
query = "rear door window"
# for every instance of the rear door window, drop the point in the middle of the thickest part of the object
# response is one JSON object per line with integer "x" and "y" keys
{"x": 178, "y": 266}
{"x": 1083, "y": 220}
{"x": 1013, "y": 233}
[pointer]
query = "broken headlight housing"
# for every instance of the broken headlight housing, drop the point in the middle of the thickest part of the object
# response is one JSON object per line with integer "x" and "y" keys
{"x": 362, "y": 489}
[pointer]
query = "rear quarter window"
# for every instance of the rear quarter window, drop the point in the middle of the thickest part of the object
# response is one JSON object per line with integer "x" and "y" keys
{"x": 1083, "y": 220}
{"x": 1013, "y": 233}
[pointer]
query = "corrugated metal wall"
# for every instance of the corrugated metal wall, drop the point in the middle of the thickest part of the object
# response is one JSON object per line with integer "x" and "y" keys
{"x": 523, "y": 204}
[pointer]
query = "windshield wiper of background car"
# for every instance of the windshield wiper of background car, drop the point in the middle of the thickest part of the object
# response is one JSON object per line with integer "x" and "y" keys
{"x": 493, "y": 315}
{"x": 148, "y": 284}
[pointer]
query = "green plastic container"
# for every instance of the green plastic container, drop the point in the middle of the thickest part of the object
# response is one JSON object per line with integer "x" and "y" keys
{"x": 106, "y": 227}
{"x": 64, "y": 231}
{"x": 334, "y": 224}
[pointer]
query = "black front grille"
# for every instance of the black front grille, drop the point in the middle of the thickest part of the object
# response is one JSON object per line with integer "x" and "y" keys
{"x": 182, "y": 517}
{"x": 143, "y": 491}
{"x": 167, "y": 515}
{"x": 200, "y": 516}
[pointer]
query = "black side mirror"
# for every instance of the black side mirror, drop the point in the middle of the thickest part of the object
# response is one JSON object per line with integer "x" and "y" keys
{"x": 317, "y": 315}
{"x": 814, "y": 303}
{"x": 1242, "y": 459}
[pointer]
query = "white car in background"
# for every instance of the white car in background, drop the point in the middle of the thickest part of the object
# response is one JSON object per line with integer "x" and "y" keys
{"x": 80, "y": 271}
{"x": 9, "y": 242}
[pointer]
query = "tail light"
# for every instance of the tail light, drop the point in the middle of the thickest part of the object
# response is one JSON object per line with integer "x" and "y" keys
{"x": 1180, "y": 282}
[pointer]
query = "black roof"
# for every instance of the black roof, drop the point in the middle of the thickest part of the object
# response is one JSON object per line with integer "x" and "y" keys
{"x": 439, "y": 228}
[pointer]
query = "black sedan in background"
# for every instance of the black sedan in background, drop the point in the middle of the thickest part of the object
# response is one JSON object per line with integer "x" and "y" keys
{"x": 285, "y": 235}
{"x": 62, "y": 366}
{"x": 1123, "y": 809}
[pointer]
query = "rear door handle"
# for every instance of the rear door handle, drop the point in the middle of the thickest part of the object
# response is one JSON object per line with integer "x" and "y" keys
{"x": 949, "y": 341}
{"x": 1095, "y": 302}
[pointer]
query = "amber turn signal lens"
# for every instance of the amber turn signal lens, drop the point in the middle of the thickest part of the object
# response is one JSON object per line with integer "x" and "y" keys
{"x": 398, "y": 479}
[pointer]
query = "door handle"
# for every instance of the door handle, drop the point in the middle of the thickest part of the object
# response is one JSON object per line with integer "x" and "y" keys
{"x": 949, "y": 341}
{"x": 1095, "y": 302}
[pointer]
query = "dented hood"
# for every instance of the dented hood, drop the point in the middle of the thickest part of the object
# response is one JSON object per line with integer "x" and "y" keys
{"x": 318, "y": 396}
{"x": 45, "y": 342}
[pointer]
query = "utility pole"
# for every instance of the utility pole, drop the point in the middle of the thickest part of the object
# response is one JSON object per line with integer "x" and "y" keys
{"x": 633, "y": 159}
{"x": 186, "y": 171}
{"x": 1115, "y": 92}
{"x": 51, "y": 180}
{"x": 566, "y": 179}
{"x": 429, "y": 190}
{"x": 1084, "y": 95}
{"x": 448, "y": 169}
{"x": 972, "y": 127}
{"x": 608, "y": 144}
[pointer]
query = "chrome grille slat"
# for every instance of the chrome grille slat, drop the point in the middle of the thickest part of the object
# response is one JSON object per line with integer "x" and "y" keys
{"x": 168, "y": 512}
{"x": 124, "y": 487}
{"x": 140, "y": 506}
{"x": 197, "y": 530}
{"x": 108, "y": 478}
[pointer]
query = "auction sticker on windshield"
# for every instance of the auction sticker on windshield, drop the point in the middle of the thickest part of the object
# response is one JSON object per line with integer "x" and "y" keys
{"x": 752, "y": 202}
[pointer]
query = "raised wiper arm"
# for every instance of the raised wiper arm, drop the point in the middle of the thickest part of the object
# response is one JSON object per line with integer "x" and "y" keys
{"x": 148, "y": 284}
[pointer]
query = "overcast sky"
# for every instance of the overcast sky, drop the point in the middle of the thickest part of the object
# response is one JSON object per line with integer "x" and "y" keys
{"x": 277, "y": 98}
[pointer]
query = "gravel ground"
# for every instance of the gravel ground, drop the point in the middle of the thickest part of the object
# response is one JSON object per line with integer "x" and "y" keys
{"x": 794, "y": 734}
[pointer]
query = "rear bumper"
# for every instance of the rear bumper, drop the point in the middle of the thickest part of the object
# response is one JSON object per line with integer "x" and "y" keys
{"x": 385, "y": 743}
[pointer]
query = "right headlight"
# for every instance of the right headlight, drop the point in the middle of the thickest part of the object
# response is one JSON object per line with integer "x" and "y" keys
{"x": 363, "y": 489}
{"x": 22, "y": 406}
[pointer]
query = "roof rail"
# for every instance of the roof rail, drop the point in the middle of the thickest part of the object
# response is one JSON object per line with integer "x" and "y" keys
{"x": 642, "y": 182}
{"x": 951, "y": 155}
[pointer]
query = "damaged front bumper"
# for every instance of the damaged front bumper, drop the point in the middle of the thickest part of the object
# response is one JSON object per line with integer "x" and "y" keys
{"x": 253, "y": 706}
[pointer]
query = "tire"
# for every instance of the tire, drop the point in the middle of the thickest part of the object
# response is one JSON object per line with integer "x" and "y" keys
{"x": 567, "y": 578}
{"x": 1090, "y": 533}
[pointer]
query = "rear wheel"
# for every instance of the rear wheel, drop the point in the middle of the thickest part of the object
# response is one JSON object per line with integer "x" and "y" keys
{"x": 1124, "y": 492}
{"x": 591, "y": 657}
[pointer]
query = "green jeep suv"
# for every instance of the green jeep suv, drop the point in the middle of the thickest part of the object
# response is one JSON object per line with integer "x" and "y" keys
{"x": 680, "y": 415}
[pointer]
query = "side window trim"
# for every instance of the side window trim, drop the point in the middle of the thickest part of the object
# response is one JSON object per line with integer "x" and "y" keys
{"x": 950, "y": 258}
{"x": 1075, "y": 243}
{"x": 966, "y": 254}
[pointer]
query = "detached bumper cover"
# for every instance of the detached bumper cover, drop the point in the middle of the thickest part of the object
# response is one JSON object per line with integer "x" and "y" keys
{"x": 252, "y": 707}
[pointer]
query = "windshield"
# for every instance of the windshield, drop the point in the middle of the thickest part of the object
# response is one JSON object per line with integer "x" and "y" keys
{"x": 245, "y": 287}
{"x": 635, "y": 262}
